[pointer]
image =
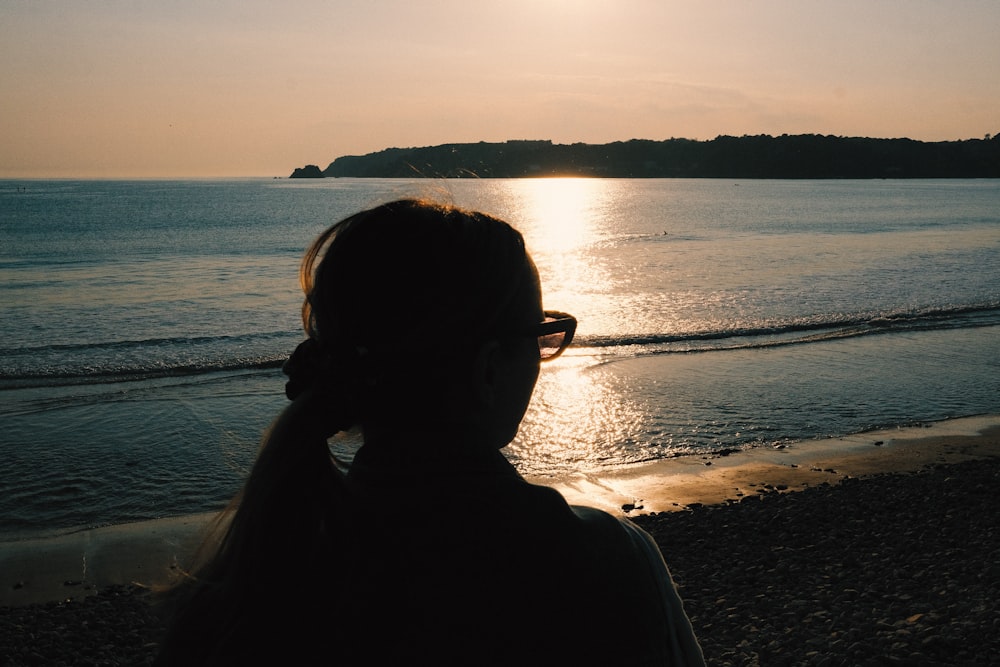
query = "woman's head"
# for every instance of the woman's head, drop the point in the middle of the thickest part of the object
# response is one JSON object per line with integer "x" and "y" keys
{"x": 410, "y": 270}
{"x": 401, "y": 299}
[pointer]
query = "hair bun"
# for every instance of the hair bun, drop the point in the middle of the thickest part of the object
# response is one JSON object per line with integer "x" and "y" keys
{"x": 304, "y": 368}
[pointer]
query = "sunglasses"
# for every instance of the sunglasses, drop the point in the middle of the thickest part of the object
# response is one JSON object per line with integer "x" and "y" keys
{"x": 554, "y": 334}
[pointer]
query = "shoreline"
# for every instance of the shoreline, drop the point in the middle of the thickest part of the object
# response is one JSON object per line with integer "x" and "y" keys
{"x": 77, "y": 565}
{"x": 685, "y": 481}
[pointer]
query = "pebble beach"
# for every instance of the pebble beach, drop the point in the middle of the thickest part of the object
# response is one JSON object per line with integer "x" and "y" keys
{"x": 895, "y": 569}
{"x": 887, "y": 568}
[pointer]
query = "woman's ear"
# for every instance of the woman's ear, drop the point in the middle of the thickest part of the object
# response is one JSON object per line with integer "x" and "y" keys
{"x": 484, "y": 375}
{"x": 490, "y": 400}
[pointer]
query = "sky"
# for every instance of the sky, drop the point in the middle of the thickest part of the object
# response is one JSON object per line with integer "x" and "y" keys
{"x": 189, "y": 88}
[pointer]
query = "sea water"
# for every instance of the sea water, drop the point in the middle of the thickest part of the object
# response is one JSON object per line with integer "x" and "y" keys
{"x": 144, "y": 322}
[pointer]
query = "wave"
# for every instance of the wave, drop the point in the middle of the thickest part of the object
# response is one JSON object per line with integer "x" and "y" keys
{"x": 113, "y": 375}
{"x": 103, "y": 362}
{"x": 118, "y": 345}
{"x": 135, "y": 360}
{"x": 805, "y": 330}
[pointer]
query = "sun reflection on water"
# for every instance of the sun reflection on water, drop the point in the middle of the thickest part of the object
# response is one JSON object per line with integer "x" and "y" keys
{"x": 561, "y": 212}
{"x": 579, "y": 415}
{"x": 562, "y": 221}
{"x": 578, "y": 419}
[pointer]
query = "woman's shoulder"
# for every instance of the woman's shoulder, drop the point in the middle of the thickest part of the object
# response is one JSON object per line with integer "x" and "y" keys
{"x": 601, "y": 521}
{"x": 611, "y": 533}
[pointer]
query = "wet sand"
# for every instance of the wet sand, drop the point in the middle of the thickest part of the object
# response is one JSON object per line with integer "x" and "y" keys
{"x": 678, "y": 483}
{"x": 79, "y": 564}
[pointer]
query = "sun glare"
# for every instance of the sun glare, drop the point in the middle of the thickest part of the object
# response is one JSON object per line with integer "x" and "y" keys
{"x": 561, "y": 220}
{"x": 562, "y": 211}
{"x": 578, "y": 414}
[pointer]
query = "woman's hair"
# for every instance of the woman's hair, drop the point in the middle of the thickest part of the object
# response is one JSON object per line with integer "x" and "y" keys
{"x": 397, "y": 298}
{"x": 399, "y": 295}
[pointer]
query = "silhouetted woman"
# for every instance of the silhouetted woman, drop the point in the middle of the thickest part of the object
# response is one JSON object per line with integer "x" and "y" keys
{"x": 425, "y": 329}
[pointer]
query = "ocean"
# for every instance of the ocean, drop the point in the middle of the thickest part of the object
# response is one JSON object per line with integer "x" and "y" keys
{"x": 144, "y": 323}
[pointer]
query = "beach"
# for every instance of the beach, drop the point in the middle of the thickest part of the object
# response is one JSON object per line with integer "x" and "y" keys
{"x": 867, "y": 550}
{"x": 887, "y": 569}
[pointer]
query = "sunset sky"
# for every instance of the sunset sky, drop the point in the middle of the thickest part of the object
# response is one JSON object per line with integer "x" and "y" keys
{"x": 187, "y": 88}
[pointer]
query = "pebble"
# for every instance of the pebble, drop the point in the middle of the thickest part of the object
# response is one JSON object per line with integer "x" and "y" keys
{"x": 890, "y": 569}
{"x": 116, "y": 626}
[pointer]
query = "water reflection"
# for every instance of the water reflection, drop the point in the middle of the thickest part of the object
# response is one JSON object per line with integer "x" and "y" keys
{"x": 578, "y": 416}
{"x": 560, "y": 214}
{"x": 578, "y": 419}
{"x": 562, "y": 222}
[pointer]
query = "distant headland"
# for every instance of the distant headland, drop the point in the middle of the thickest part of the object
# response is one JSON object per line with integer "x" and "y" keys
{"x": 760, "y": 156}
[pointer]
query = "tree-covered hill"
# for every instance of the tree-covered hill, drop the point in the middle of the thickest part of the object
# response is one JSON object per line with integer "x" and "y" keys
{"x": 762, "y": 156}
